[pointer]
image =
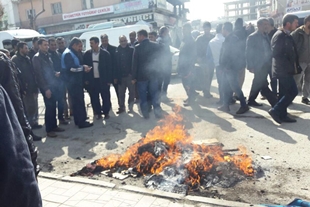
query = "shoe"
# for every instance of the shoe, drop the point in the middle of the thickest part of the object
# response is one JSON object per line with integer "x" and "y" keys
{"x": 305, "y": 101}
{"x": 254, "y": 103}
{"x": 63, "y": 122}
{"x": 37, "y": 126}
{"x": 120, "y": 111}
{"x": 274, "y": 116}
{"x": 224, "y": 108}
{"x": 208, "y": 95}
{"x": 58, "y": 129}
{"x": 51, "y": 134}
{"x": 85, "y": 125}
{"x": 107, "y": 116}
{"x": 243, "y": 109}
{"x": 36, "y": 138}
{"x": 98, "y": 117}
{"x": 288, "y": 120}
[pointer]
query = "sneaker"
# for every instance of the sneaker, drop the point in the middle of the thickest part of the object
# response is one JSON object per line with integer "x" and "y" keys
{"x": 224, "y": 108}
{"x": 243, "y": 109}
{"x": 58, "y": 129}
{"x": 85, "y": 125}
{"x": 51, "y": 134}
{"x": 63, "y": 122}
{"x": 305, "y": 101}
{"x": 275, "y": 116}
{"x": 288, "y": 120}
{"x": 254, "y": 103}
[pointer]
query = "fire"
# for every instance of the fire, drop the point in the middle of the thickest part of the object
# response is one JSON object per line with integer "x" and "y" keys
{"x": 174, "y": 147}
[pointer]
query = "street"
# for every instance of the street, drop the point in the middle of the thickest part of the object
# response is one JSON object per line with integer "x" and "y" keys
{"x": 285, "y": 174}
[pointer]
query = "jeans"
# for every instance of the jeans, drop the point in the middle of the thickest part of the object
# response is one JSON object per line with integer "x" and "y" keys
{"x": 289, "y": 91}
{"x": 122, "y": 87}
{"x": 59, "y": 96}
{"x": 303, "y": 80}
{"x": 31, "y": 107}
{"x": 104, "y": 91}
{"x": 151, "y": 87}
{"x": 232, "y": 84}
{"x": 50, "y": 113}
{"x": 219, "y": 77}
{"x": 164, "y": 81}
{"x": 260, "y": 84}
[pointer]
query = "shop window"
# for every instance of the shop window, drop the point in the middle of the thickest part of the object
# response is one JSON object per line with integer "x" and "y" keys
{"x": 56, "y": 8}
{"x": 87, "y": 4}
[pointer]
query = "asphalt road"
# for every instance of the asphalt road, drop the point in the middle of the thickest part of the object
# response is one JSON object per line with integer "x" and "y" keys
{"x": 286, "y": 174}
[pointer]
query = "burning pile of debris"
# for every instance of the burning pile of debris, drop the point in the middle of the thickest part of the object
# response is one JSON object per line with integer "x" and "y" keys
{"x": 171, "y": 162}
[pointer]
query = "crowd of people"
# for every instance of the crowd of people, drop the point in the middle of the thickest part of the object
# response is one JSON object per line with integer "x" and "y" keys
{"x": 143, "y": 66}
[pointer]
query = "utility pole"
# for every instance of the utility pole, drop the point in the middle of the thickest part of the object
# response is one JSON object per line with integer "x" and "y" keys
{"x": 34, "y": 17}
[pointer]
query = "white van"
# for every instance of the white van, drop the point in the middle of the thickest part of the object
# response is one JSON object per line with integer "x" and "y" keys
{"x": 301, "y": 16}
{"x": 113, "y": 33}
{"x": 24, "y": 35}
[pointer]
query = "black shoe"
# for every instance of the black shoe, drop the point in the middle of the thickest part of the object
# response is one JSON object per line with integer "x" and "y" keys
{"x": 223, "y": 108}
{"x": 120, "y": 111}
{"x": 37, "y": 126}
{"x": 305, "y": 101}
{"x": 36, "y": 138}
{"x": 243, "y": 109}
{"x": 85, "y": 125}
{"x": 254, "y": 103}
{"x": 274, "y": 116}
{"x": 288, "y": 120}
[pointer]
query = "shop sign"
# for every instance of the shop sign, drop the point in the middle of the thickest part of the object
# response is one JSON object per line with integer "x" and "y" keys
{"x": 135, "y": 18}
{"x": 293, "y": 9}
{"x": 131, "y": 6}
{"x": 88, "y": 13}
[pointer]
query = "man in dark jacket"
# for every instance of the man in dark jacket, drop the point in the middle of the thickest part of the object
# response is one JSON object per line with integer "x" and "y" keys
{"x": 46, "y": 78}
{"x": 202, "y": 43}
{"x": 145, "y": 73}
{"x": 186, "y": 63}
{"x": 8, "y": 80}
{"x": 60, "y": 88}
{"x": 259, "y": 58}
{"x": 301, "y": 37}
{"x": 99, "y": 79}
{"x": 284, "y": 66}
{"x": 71, "y": 63}
{"x": 35, "y": 47}
{"x": 231, "y": 64}
{"x": 123, "y": 66}
{"x": 111, "y": 49}
{"x": 18, "y": 185}
{"x": 30, "y": 95}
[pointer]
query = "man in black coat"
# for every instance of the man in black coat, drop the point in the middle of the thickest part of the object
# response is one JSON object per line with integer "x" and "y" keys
{"x": 56, "y": 58}
{"x": 123, "y": 66}
{"x": 259, "y": 57}
{"x": 231, "y": 64}
{"x": 46, "y": 78}
{"x": 30, "y": 95}
{"x": 35, "y": 47}
{"x": 18, "y": 185}
{"x": 73, "y": 70}
{"x": 284, "y": 66}
{"x": 145, "y": 73}
{"x": 99, "y": 78}
{"x": 186, "y": 63}
{"x": 111, "y": 49}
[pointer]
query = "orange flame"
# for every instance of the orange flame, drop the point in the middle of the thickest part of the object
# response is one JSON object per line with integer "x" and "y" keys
{"x": 171, "y": 131}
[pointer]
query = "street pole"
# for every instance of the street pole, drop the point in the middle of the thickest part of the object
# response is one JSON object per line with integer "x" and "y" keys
{"x": 33, "y": 18}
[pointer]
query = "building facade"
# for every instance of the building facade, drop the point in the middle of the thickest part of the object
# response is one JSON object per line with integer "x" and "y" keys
{"x": 246, "y": 9}
{"x": 10, "y": 16}
{"x": 54, "y": 16}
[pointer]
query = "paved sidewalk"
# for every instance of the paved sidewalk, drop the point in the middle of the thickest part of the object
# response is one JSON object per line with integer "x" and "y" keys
{"x": 64, "y": 194}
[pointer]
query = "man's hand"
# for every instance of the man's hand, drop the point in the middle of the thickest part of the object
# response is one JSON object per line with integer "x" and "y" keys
{"x": 133, "y": 82}
{"x": 57, "y": 74}
{"x": 87, "y": 68}
{"x": 115, "y": 81}
{"x": 48, "y": 93}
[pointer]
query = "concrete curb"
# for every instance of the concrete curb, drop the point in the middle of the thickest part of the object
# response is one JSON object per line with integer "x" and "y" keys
{"x": 145, "y": 191}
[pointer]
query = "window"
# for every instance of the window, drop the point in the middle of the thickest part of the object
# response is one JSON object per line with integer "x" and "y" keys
{"x": 56, "y": 8}
{"x": 87, "y": 4}
{"x": 31, "y": 13}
